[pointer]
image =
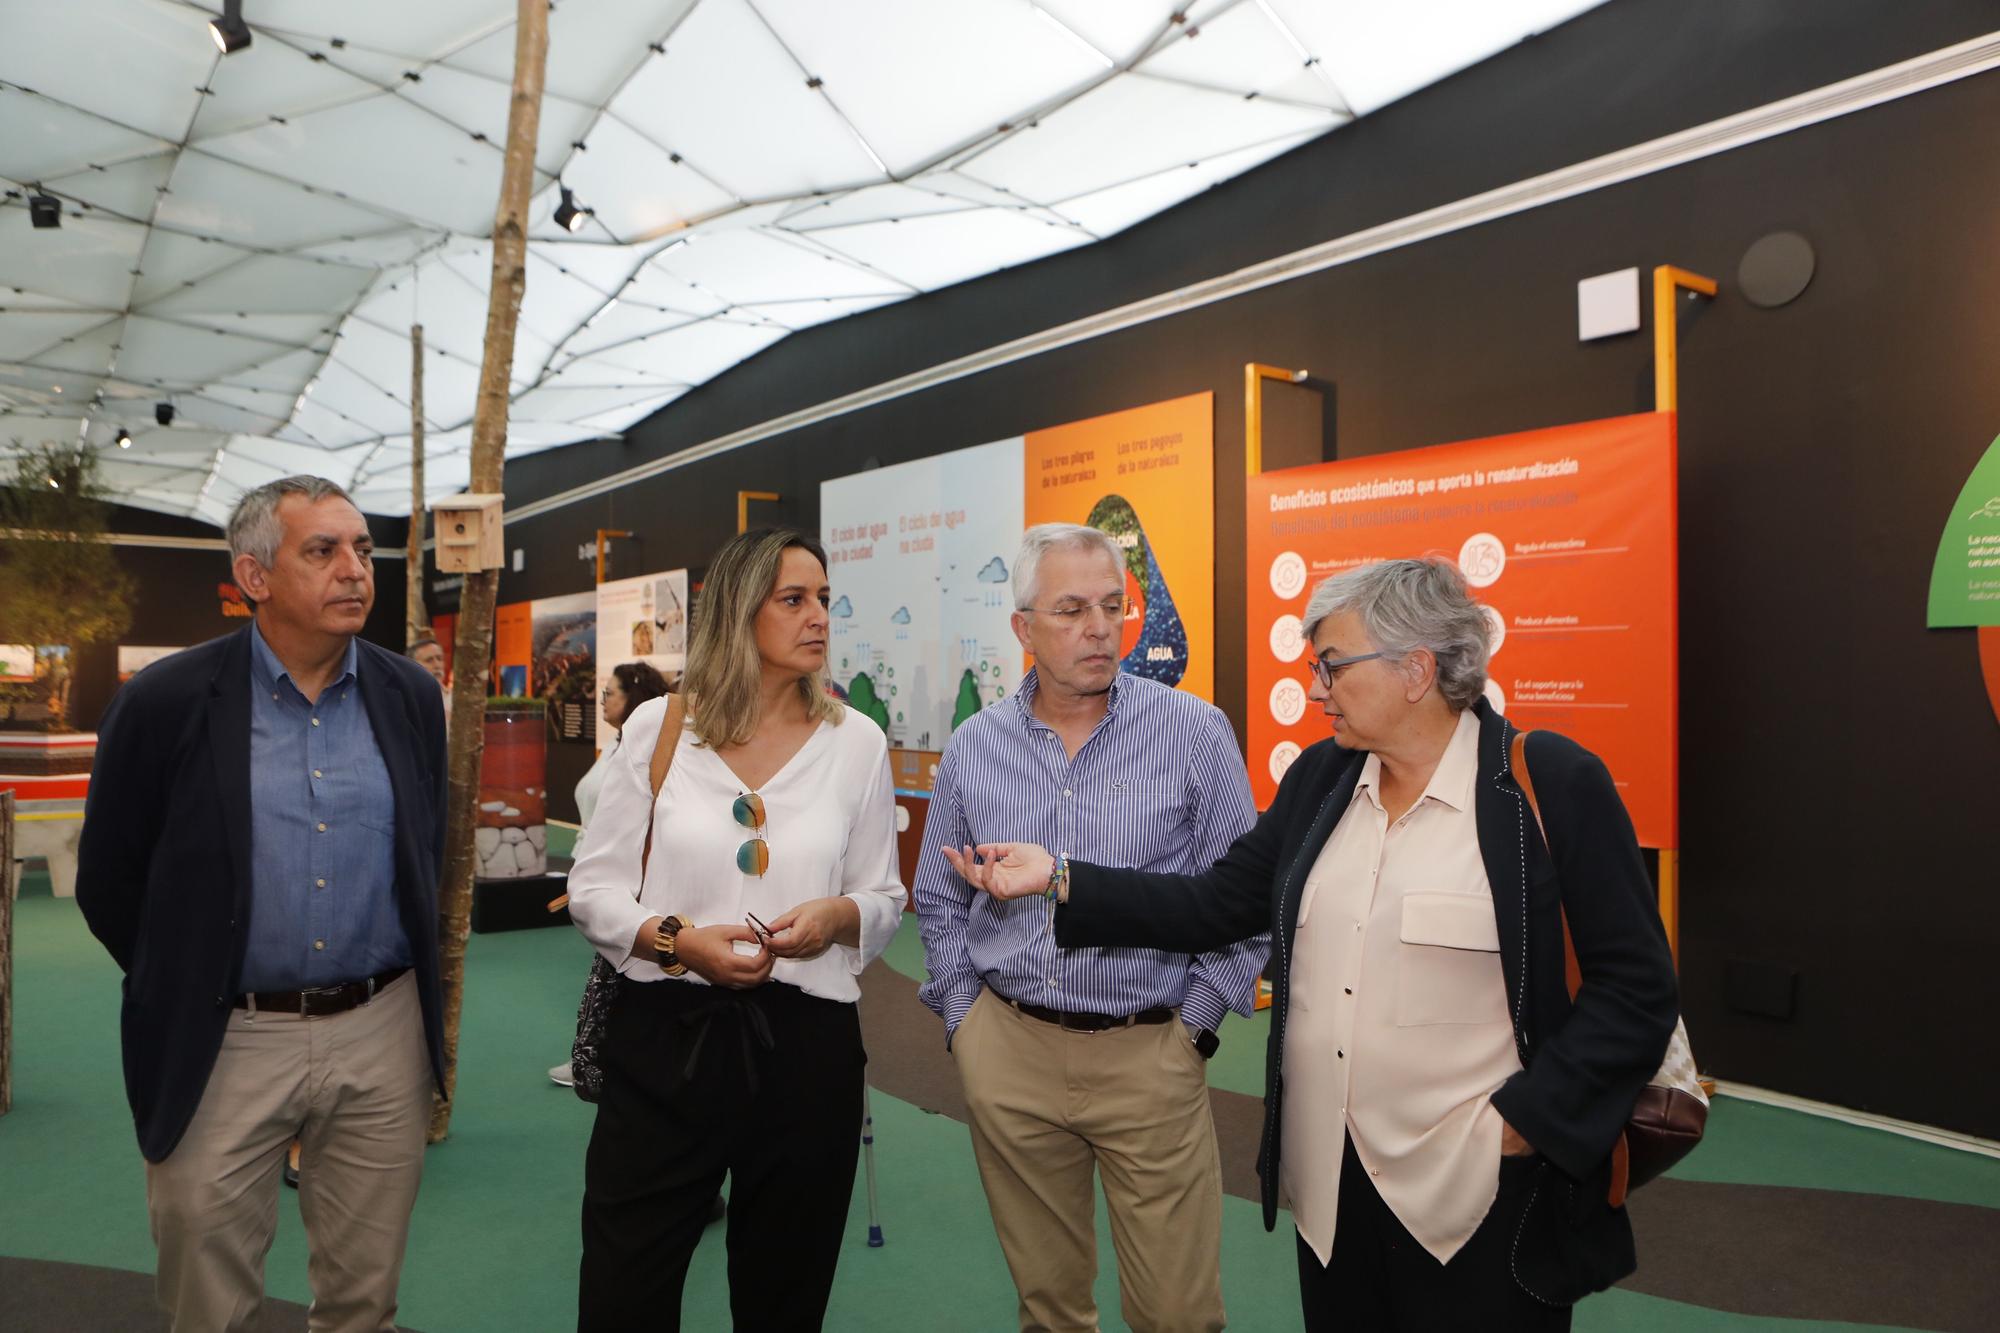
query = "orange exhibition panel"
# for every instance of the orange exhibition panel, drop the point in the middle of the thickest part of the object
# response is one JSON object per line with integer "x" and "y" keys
{"x": 1567, "y": 536}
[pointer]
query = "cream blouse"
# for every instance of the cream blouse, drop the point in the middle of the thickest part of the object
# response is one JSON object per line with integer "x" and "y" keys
{"x": 831, "y": 826}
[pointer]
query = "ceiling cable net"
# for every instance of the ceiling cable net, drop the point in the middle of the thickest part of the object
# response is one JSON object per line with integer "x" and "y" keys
{"x": 250, "y": 237}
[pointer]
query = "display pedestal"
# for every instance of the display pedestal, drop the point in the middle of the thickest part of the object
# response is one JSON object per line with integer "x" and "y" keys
{"x": 520, "y": 903}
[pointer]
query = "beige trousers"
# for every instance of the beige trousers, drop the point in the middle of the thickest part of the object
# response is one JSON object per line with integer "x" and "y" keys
{"x": 355, "y": 1089}
{"x": 1047, "y": 1106}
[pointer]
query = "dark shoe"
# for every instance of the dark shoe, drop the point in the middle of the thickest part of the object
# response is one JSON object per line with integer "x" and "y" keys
{"x": 292, "y": 1165}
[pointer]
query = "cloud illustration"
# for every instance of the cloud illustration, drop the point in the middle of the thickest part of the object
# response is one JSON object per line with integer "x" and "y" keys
{"x": 993, "y": 571}
{"x": 902, "y": 616}
{"x": 843, "y": 607}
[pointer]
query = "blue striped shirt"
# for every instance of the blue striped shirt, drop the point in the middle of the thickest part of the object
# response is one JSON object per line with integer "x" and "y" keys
{"x": 1158, "y": 786}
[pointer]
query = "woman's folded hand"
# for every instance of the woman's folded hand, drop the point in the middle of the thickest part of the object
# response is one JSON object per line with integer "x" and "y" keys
{"x": 710, "y": 953}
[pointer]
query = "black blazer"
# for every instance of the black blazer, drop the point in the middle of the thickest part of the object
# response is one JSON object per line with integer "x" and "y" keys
{"x": 1582, "y": 1064}
{"x": 163, "y": 864}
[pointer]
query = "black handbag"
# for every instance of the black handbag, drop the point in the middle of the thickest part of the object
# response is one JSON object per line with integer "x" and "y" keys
{"x": 600, "y": 989}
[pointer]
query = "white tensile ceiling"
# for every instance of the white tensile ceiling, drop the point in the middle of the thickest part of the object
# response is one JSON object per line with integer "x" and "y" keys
{"x": 250, "y": 237}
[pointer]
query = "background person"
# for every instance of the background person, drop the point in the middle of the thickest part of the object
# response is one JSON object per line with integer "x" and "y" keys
{"x": 1089, "y": 1062}
{"x": 631, "y": 684}
{"x": 1438, "y": 1112}
{"x": 260, "y": 854}
{"x": 730, "y": 1052}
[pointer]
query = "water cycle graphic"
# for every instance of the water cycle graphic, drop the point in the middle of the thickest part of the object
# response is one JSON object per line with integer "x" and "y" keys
{"x": 1154, "y": 642}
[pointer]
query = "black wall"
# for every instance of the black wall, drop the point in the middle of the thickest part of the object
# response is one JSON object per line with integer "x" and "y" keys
{"x": 1836, "y": 755}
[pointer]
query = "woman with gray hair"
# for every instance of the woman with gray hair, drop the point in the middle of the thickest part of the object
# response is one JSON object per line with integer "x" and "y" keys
{"x": 1440, "y": 1114}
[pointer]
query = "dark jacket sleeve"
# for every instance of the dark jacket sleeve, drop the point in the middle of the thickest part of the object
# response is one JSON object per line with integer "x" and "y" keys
{"x": 121, "y": 816}
{"x": 1577, "y": 1093}
{"x": 1228, "y": 902}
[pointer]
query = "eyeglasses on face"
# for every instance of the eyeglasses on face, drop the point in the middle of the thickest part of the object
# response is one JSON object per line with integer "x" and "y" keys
{"x": 1071, "y": 615}
{"x": 754, "y": 856}
{"x": 1326, "y": 671}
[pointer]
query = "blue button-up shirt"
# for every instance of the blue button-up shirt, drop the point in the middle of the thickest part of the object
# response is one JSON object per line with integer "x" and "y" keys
{"x": 1158, "y": 786}
{"x": 322, "y": 835}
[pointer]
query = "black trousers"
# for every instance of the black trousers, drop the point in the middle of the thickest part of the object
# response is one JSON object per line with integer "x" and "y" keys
{"x": 763, "y": 1086}
{"x": 1381, "y": 1278}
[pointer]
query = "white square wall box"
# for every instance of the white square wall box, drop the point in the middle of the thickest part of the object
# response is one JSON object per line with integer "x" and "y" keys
{"x": 1607, "y": 304}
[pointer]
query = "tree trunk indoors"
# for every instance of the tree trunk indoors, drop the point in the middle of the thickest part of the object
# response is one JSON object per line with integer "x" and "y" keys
{"x": 474, "y": 649}
{"x": 417, "y": 619}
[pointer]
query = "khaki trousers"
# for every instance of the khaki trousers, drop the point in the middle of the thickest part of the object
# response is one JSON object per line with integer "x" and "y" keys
{"x": 1047, "y": 1106}
{"x": 355, "y": 1089}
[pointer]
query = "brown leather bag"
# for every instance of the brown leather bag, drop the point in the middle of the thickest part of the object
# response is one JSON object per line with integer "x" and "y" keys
{"x": 1672, "y": 1110}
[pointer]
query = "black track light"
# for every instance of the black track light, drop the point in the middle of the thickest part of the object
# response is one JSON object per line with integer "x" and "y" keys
{"x": 230, "y": 32}
{"x": 569, "y": 213}
{"x": 44, "y": 210}
{"x": 163, "y": 413}
{"x": 124, "y": 438}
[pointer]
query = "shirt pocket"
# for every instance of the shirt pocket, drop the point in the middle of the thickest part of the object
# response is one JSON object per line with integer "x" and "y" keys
{"x": 1448, "y": 961}
{"x": 1135, "y": 822}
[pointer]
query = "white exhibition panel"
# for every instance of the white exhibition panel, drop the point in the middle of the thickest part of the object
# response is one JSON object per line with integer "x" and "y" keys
{"x": 250, "y": 237}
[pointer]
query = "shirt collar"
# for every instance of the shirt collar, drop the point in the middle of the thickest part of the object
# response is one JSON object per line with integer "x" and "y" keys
{"x": 267, "y": 670}
{"x": 1024, "y": 697}
{"x": 1451, "y": 781}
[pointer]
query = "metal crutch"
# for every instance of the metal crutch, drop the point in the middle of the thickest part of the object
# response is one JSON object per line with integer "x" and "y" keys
{"x": 868, "y": 1154}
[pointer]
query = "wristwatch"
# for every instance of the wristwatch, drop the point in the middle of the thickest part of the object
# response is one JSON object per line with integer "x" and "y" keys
{"x": 1206, "y": 1042}
{"x": 663, "y": 944}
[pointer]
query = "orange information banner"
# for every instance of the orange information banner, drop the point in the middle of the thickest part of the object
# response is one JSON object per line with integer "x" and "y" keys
{"x": 1147, "y": 477}
{"x": 1568, "y": 535}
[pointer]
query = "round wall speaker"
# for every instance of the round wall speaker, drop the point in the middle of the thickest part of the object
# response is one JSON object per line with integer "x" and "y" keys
{"x": 1776, "y": 269}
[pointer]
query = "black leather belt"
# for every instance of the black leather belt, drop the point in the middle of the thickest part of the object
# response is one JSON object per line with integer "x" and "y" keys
{"x": 321, "y": 1000}
{"x": 1092, "y": 1022}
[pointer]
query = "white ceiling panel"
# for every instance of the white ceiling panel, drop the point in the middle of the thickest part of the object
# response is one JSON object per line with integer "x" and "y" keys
{"x": 437, "y": 171}
{"x": 253, "y": 235}
{"x": 1133, "y": 126}
{"x": 936, "y": 251}
{"x": 727, "y": 116}
{"x": 163, "y": 56}
{"x": 46, "y": 138}
{"x": 1109, "y": 211}
{"x": 129, "y": 189}
{"x": 1377, "y": 53}
{"x": 635, "y": 186}
{"x": 745, "y": 267}
{"x": 254, "y": 206}
{"x": 910, "y": 105}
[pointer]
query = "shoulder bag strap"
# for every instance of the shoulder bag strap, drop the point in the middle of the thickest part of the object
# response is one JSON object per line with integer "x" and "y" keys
{"x": 1572, "y": 974}
{"x": 1621, "y": 1151}
{"x": 663, "y": 759}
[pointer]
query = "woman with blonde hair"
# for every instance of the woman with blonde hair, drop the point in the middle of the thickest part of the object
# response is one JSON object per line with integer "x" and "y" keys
{"x": 739, "y": 906}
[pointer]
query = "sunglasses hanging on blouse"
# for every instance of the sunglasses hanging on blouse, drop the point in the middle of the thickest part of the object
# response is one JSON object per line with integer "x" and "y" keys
{"x": 754, "y": 856}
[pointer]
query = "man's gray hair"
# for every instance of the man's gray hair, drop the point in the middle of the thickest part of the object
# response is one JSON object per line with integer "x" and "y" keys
{"x": 254, "y": 527}
{"x": 1405, "y": 605}
{"x": 1039, "y": 540}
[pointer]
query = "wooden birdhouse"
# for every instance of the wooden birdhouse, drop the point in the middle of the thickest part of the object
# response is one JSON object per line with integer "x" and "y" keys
{"x": 468, "y": 532}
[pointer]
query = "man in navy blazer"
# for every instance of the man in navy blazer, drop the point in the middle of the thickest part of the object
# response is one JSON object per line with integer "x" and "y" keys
{"x": 260, "y": 854}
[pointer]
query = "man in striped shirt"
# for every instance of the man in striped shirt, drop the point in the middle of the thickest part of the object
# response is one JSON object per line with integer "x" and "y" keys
{"x": 1082, "y": 1059}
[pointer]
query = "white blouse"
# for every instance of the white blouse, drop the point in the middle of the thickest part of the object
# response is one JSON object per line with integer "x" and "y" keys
{"x": 831, "y": 826}
{"x": 592, "y": 784}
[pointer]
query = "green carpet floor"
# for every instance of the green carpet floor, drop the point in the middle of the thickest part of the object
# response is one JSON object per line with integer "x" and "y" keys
{"x": 494, "y": 1243}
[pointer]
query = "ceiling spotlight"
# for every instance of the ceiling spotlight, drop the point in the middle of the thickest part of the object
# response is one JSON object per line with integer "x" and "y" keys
{"x": 124, "y": 438}
{"x": 230, "y": 32}
{"x": 569, "y": 213}
{"x": 163, "y": 413}
{"x": 44, "y": 210}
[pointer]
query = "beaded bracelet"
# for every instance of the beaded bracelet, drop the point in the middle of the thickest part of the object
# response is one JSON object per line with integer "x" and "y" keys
{"x": 1058, "y": 873}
